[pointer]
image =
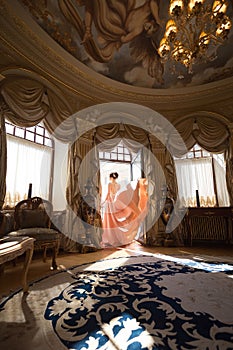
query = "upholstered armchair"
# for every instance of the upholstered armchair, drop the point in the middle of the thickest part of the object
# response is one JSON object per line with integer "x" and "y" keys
{"x": 32, "y": 218}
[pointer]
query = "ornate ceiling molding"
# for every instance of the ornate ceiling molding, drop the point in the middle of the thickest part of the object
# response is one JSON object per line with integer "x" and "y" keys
{"x": 36, "y": 51}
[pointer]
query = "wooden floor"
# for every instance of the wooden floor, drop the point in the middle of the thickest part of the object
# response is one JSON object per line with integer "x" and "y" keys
{"x": 10, "y": 280}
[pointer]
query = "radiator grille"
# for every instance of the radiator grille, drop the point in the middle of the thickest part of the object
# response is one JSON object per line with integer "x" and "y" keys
{"x": 209, "y": 228}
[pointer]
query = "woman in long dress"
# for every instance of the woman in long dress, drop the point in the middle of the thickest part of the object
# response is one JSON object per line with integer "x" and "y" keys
{"x": 124, "y": 211}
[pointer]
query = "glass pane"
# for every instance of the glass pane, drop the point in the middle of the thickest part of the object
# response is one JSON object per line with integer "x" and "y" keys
{"x": 101, "y": 154}
{"x": 127, "y": 157}
{"x": 40, "y": 130}
{"x": 113, "y": 156}
{"x": 120, "y": 149}
{"x": 120, "y": 156}
{"x": 198, "y": 154}
{"x": 19, "y": 132}
{"x": 39, "y": 139}
{"x": 9, "y": 129}
{"x": 31, "y": 128}
{"x": 107, "y": 155}
{"x": 30, "y": 136}
{"x": 195, "y": 147}
{"x": 190, "y": 155}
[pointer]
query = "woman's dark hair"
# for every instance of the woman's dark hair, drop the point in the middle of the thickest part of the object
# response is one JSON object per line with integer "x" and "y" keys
{"x": 114, "y": 175}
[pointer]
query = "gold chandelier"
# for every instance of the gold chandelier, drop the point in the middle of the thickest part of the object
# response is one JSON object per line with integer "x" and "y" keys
{"x": 194, "y": 31}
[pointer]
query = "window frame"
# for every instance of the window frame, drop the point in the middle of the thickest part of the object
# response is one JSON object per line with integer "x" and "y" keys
{"x": 120, "y": 151}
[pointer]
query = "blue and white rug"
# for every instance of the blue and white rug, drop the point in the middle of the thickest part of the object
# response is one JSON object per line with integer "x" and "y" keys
{"x": 133, "y": 303}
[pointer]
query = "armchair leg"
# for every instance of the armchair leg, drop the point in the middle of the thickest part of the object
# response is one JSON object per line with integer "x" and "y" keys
{"x": 54, "y": 257}
{"x": 45, "y": 254}
{"x": 54, "y": 263}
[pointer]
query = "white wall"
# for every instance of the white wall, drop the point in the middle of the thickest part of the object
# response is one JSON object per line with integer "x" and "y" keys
{"x": 60, "y": 175}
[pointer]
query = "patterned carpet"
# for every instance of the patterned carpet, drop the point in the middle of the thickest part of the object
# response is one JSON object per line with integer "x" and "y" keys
{"x": 135, "y": 303}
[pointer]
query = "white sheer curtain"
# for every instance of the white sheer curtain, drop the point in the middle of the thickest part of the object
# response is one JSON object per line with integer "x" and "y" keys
{"x": 195, "y": 174}
{"x": 222, "y": 192}
{"x": 27, "y": 162}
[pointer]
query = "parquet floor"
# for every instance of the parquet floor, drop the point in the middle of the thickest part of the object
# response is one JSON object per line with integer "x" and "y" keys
{"x": 10, "y": 280}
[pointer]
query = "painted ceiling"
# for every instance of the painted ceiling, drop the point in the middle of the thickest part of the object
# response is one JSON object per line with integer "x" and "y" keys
{"x": 134, "y": 60}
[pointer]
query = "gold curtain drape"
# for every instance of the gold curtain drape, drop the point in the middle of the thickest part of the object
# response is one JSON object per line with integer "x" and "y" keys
{"x": 208, "y": 132}
{"x": 128, "y": 132}
{"x": 74, "y": 230}
{"x": 25, "y": 100}
{"x": 30, "y": 102}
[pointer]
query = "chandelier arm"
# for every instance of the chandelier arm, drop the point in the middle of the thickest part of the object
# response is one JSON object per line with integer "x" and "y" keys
{"x": 216, "y": 38}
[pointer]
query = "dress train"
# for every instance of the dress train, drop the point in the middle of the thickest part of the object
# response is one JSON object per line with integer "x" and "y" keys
{"x": 123, "y": 215}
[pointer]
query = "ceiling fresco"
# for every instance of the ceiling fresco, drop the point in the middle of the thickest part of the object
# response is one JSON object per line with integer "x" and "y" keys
{"x": 118, "y": 45}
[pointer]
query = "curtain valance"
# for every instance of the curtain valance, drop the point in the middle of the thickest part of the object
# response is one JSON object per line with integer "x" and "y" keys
{"x": 209, "y": 133}
{"x": 109, "y": 136}
{"x": 30, "y": 102}
{"x": 25, "y": 100}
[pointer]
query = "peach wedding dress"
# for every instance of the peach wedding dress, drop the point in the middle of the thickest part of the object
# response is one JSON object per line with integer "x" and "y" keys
{"x": 124, "y": 211}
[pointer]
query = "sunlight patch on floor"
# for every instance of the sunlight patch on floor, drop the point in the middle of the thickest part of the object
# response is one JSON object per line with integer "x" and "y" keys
{"x": 104, "y": 264}
{"x": 207, "y": 263}
{"x": 129, "y": 325}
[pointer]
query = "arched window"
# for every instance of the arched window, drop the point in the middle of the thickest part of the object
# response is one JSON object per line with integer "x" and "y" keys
{"x": 201, "y": 176}
{"x": 29, "y": 161}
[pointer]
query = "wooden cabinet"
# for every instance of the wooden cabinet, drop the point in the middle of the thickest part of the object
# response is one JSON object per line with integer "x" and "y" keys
{"x": 209, "y": 224}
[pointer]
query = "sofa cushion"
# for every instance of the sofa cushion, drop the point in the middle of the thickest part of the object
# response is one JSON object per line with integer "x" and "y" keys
{"x": 39, "y": 233}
